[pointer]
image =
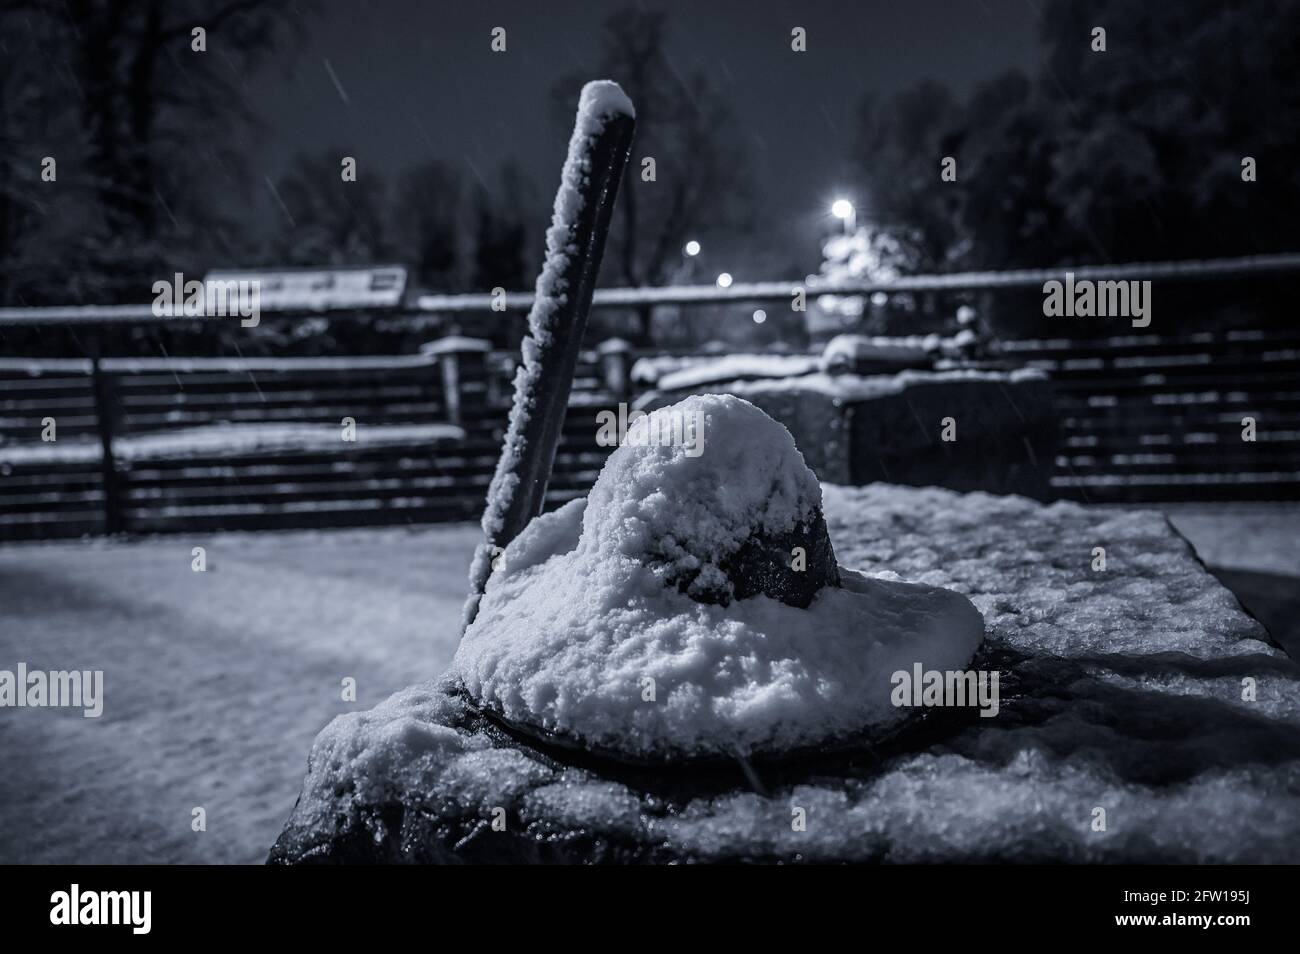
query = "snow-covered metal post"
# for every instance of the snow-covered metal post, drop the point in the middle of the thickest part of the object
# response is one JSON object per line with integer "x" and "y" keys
{"x": 106, "y": 410}
{"x": 575, "y": 242}
{"x": 457, "y": 355}
{"x": 616, "y": 366}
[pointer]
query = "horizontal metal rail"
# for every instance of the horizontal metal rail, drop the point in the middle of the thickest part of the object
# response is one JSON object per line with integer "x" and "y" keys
{"x": 522, "y": 301}
{"x": 957, "y": 281}
{"x": 233, "y": 365}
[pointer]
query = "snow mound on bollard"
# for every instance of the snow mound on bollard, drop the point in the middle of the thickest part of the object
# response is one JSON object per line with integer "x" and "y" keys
{"x": 593, "y": 627}
{"x": 692, "y": 484}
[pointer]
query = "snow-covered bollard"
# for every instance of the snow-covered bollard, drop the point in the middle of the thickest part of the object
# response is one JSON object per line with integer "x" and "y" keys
{"x": 598, "y": 151}
{"x": 691, "y": 607}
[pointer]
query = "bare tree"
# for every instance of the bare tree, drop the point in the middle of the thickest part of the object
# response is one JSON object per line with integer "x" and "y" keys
{"x": 331, "y": 221}
{"x": 700, "y": 182}
{"x": 147, "y": 100}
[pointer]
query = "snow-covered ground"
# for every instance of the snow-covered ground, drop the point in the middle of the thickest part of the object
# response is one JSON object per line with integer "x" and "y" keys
{"x": 217, "y": 682}
{"x": 1261, "y": 537}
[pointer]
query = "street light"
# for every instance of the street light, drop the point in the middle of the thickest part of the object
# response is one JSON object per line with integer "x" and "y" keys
{"x": 692, "y": 248}
{"x": 724, "y": 280}
{"x": 843, "y": 209}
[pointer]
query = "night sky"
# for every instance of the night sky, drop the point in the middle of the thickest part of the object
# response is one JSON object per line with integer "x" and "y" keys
{"x": 420, "y": 80}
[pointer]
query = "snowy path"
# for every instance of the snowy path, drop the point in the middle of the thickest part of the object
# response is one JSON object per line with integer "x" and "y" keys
{"x": 215, "y": 683}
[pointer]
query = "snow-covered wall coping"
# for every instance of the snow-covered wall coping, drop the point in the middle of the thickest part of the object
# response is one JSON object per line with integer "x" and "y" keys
{"x": 455, "y": 344}
{"x": 230, "y": 440}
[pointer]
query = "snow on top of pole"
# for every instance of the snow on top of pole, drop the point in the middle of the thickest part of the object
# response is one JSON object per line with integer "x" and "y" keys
{"x": 601, "y": 101}
{"x": 604, "y": 98}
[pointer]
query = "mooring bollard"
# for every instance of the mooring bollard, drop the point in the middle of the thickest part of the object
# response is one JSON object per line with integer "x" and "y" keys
{"x": 575, "y": 243}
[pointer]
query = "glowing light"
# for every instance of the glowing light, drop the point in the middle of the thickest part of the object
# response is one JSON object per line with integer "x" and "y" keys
{"x": 692, "y": 248}
{"x": 724, "y": 280}
{"x": 760, "y": 316}
{"x": 842, "y": 208}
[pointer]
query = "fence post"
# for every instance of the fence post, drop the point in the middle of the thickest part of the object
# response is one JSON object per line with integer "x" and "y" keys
{"x": 616, "y": 367}
{"x": 459, "y": 359}
{"x": 105, "y": 414}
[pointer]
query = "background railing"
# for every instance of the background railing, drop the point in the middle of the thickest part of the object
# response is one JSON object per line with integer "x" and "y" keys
{"x": 257, "y": 443}
{"x": 168, "y": 443}
{"x": 1152, "y": 418}
{"x": 260, "y": 443}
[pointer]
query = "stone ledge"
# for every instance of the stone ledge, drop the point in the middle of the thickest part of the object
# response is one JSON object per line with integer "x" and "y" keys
{"x": 1120, "y": 690}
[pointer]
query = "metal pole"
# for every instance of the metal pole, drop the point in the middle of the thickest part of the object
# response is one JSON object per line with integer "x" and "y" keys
{"x": 105, "y": 412}
{"x": 534, "y": 434}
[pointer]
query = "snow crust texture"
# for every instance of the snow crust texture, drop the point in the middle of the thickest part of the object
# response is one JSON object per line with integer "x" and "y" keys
{"x": 1122, "y": 689}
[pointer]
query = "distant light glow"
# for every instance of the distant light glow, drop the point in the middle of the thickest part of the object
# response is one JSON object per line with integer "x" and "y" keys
{"x": 760, "y": 316}
{"x": 724, "y": 280}
{"x": 842, "y": 208}
{"x": 692, "y": 248}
